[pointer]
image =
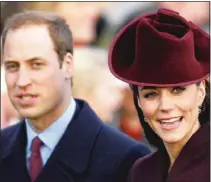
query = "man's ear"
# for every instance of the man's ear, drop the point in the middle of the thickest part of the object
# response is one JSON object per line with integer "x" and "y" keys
{"x": 202, "y": 92}
{"x": 67, "y": 65}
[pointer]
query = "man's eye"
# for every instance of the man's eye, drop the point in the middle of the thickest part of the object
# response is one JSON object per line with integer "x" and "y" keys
{"x": 11, "y": 67}
{"x": 37, "y": 65}
{"x": 150, "y": 95}
{"x": 178, "y": 90}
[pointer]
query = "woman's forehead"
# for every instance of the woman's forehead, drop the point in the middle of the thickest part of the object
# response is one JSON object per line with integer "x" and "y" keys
{"x": 154, "y": 88}
{"x": 140, "y": 88}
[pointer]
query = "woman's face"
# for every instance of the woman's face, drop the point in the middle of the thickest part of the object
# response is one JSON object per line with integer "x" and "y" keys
{"x": 172, "y": 112}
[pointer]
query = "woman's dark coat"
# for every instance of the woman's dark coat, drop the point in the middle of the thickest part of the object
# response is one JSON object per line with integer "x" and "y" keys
{"x": 191, "y": 165}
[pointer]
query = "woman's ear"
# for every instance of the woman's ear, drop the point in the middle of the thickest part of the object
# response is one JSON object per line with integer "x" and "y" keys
{"x": 202, "y": 92}
{"x": 139, "y": 103}
{"x": 138, "y": 97}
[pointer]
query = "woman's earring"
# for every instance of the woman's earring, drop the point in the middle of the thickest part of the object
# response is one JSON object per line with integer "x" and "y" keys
{"x": 145, "y": 119}
{"x": 199, "y": 110}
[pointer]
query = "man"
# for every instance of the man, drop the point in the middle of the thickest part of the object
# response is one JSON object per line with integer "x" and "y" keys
{"x": 61, "y": 138}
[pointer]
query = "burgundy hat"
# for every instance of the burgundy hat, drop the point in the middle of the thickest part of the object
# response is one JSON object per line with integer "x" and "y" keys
{"x": 160, "y": 49}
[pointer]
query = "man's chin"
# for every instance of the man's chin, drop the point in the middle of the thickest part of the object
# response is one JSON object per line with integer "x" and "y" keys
{"x": 28, "y": 114}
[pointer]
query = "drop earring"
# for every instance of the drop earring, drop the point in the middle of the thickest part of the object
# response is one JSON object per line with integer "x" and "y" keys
{"x": 199, "y": 109}
{"x": 145, "y": 119}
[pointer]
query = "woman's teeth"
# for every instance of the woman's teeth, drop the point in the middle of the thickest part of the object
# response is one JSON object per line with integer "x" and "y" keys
{"x": 171, "y": 123}
{"x": 170, "y": 120}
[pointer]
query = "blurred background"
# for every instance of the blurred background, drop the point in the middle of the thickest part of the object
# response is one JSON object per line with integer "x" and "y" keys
{"x": 94, "y": 24}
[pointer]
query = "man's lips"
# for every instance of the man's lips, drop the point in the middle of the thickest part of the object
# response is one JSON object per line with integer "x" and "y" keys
{"x": 26, "y": 99}
{"x": 26, "y": 95}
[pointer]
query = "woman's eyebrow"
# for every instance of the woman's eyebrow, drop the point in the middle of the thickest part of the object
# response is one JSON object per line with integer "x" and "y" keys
{"x": 148, "y": 87}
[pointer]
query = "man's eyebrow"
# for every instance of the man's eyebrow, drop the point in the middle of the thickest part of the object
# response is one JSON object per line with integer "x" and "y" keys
{"x": 28, "y": 60}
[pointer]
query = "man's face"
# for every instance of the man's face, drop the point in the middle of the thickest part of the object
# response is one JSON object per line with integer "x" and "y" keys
{"x": 36, "y": 84}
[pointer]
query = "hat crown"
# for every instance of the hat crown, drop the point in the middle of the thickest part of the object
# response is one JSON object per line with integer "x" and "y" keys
{"x": 160, "y": 49}
{"x": 166, "y": 36}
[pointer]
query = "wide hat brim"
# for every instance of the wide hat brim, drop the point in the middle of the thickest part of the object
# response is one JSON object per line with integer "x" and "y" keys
{"x": 160, "y": 49}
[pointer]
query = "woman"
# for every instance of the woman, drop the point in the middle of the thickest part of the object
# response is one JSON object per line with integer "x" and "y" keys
{"x": 166, "y": 59}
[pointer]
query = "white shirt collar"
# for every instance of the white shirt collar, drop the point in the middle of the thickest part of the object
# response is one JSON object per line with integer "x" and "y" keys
{"x": 51, "y": 136}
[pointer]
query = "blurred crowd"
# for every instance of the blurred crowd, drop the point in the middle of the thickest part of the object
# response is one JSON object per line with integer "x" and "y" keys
{"x": 94, "y": 24}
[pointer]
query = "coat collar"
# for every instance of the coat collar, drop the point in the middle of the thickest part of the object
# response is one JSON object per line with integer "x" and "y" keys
{"x": 75, "y": 147}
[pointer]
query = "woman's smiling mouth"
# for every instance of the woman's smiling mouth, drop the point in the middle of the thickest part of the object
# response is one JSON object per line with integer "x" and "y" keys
{"x": 172, "y": 123}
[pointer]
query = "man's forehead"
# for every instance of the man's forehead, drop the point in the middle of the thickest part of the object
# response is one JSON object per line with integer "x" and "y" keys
{"x": 26, "y": 43}
{"x": 28, "y": 36}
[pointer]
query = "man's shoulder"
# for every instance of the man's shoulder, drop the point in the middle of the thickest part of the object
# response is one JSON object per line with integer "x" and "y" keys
{"x": 7, "y": 137}
{"x": 7, "y": 132}
{"x": 108, "y": 138}
{"x": 113, "y": 135}
{"x": 118, "y": 151}
{"x": 117, "y": 140}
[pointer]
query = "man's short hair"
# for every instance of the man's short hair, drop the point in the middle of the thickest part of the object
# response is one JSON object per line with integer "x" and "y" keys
{"x": 59, "y": 31}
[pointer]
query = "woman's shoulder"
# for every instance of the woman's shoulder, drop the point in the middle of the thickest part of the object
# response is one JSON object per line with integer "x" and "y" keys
{"x": 142, "y": 167}
{"x": 145, "y": 161}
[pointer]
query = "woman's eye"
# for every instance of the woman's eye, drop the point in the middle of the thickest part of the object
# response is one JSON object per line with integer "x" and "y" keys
{"x": 178, "y": 90}
{"x": 150, "y": 95}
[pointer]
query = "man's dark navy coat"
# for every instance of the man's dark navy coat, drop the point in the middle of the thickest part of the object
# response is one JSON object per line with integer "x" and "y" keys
{"x": 89, "y": 151}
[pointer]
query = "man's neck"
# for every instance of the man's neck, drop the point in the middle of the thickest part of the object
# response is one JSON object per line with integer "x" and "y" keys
{"x": 42, "y": 123}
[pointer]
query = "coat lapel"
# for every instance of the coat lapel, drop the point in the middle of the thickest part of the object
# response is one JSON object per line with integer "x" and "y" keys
{"x": 71, "y": 156}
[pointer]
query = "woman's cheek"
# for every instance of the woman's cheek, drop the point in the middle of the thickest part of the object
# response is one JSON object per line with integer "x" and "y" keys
{"x": 149, "y": 110}
{"x": 187, "y": 105}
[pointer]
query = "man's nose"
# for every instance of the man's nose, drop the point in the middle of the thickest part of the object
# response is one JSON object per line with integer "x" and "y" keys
{"x": 23, "y": 79}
